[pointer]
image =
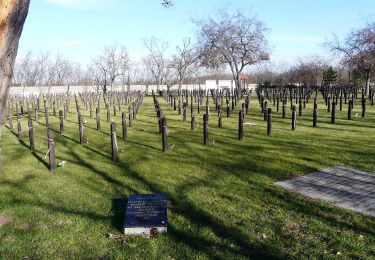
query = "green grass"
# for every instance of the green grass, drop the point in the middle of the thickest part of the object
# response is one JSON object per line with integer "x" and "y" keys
{"x": 222, "y": 201}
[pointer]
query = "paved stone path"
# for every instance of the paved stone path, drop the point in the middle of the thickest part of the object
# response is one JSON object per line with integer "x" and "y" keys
{"x": 343, "y": 187}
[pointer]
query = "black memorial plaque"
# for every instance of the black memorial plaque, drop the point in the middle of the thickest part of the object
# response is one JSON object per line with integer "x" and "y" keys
{"x": 145, "y": 212}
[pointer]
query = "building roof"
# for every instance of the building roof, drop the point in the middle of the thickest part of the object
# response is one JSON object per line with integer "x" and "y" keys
{"x": 244, "y": 77}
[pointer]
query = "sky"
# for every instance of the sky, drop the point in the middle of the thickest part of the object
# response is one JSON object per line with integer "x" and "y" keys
{"x": 78, "y": 29}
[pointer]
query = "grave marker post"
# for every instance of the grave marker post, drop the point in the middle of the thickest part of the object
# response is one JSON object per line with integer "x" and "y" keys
{"x": 164, "y": 134}
{"x": 205, "y": 129}
{"x": 114, "y": 142}
{"x": 19, "y": 127}
{"x": 192, "y": 122}
{"x": 283, "y": 113}
{"x": 124, "y": 128}
{"x": 51, "y": 149}
{"x": 97, "y": 119}
{"x": 340, "y": 102}
{"x": 333, "y": 115}
{"x": 130, "y": 116}
{"x": 31, "y": 134}
{"x": 184, "y": 112}
{"x": 240, "y": 125}
{"x": 220, "y": 123}
{"x": 329, "y": 104}
{"x": 269, "y": 122}
{"x": 363, "y": 106}
{"x": 46, "y": 114}
{"x": 315, "y": 114}
{"x": 61, "y": 117}
{"x": 81, "y": 130}
{"x": 294, "y": 117}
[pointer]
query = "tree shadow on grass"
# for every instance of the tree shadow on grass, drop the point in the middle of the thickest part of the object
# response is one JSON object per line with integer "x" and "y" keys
{"x": 34, "y": 154}
{"x": 180, "y": 205}
{"x": 309, "y": 207}
{"x": 118, "y": 212}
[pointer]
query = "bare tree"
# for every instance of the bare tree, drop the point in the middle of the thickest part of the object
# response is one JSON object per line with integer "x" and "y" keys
{"x": 63, "y": 69}
{"x": 12, "y": 17}
{"x": 358, "y": 51}
{"x": 184, "y": 59}
{"x": 116, "y": 59}
{"x": 236, "y": 40}
{"x": 112, "y": 63}
{"x": 156, "y": 58}
{"x": 308, "y": 71}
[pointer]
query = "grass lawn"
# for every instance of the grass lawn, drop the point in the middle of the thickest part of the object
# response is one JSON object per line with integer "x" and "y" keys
{"x": 222, "y": 201}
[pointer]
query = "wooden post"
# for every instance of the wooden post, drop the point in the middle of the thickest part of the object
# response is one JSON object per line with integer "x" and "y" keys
{"x": 277, "y": 104}
{"x": 184, "y": 112}
{"x": 31, "y": 135}
{"x": 240, "y": 125}
{"x": 97, "y": 119}
{"x": 350, "y": 108}
{"x": 81, "y": 130}
{"x": 315, "y": 113}
{"x": 333, "y": 115}
{"x": 205, "y": 129}
{"x": 265, "y": 104}
{"x": 19, "y": 127}
{"x": 108, "y": 115}
{"x": 283, "y": 113}
{"x": 159, "y": 117}
{"x": 47, "y": 116}
{"x": 269, "y": 122}
{"x": 363, "y": 106}
{"x": 207, "y": 111}
{"x": 61, "y": 117}
{"x": 192, "y": 122}
{"x": 134, "y": 111}
{"x": 90, "y": 110}
{"x": 51, "y": 149}
{"x": 220, "y": 123}
{"x": 124, "y": 128}
{"x": 340, "y": 102}
{"x": 54, "y": 108}
{"x": 329, "y": 104}
{"x": 164, "y": 134}
{"x": 65, "y": 111}
{"x": 130, "y": 116}
{"x": 294, "y": 117}
{"x": 114, "y": 142}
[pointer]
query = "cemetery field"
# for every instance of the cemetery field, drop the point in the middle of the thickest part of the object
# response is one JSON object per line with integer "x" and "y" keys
{"x": 222, "y": 201}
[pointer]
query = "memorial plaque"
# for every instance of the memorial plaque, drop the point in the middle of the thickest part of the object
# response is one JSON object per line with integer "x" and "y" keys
{"x": 146, "y": 213}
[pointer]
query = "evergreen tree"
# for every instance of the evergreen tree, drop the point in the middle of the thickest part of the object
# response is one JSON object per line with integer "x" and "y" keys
{"x": 329, "y": 76}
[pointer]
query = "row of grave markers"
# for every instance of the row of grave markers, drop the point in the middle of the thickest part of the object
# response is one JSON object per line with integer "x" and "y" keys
{"x": 117, "y": 99}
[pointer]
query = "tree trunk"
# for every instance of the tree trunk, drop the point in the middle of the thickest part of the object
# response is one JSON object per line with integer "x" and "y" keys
{"x": 180, "y": 86}
{"x": 237, "y": 81}
{"x": 12, "y": 17}
{"x": 367, "y": 83}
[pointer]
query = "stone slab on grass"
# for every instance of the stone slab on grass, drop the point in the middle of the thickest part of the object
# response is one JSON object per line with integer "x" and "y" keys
{"x": 343, "y": 187}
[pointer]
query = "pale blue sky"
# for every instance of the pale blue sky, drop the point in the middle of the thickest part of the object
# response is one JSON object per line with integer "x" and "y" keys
{"x": 79, "y": 28}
